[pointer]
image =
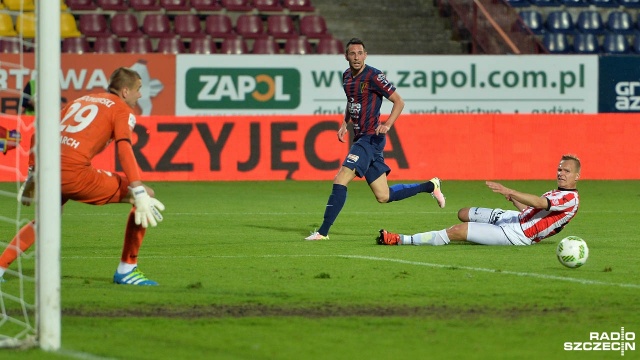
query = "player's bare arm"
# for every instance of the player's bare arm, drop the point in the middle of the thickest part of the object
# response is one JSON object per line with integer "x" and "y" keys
{"x": 396, "y": 110}
{"x": 523, "y": 199}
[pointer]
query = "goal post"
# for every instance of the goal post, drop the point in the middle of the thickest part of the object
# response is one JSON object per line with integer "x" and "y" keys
{"x": 48, "y": 300}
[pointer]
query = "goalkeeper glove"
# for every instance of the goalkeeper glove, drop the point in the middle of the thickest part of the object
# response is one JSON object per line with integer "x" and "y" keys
{"x": 26, "y": 192}
{"x": 147, "y": 208}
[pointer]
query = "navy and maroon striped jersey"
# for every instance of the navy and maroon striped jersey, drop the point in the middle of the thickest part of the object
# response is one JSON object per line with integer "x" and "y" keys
{"x": 364, "y": 98}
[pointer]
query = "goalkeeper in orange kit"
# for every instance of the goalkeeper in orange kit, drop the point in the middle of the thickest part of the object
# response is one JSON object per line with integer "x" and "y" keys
{"x": 88, "y": 125}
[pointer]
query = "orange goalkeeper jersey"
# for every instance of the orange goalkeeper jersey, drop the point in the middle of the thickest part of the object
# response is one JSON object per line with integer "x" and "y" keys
{"x": 89, "y": 124}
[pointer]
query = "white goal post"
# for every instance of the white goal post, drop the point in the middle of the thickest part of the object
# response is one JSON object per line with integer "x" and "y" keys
{"x": 48, "y": 312}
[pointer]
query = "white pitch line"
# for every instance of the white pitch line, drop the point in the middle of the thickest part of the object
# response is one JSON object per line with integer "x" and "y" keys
{"x": 400, "y": 261}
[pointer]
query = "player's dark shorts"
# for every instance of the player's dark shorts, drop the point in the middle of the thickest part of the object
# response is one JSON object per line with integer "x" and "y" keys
{"x": 366, "y": 157}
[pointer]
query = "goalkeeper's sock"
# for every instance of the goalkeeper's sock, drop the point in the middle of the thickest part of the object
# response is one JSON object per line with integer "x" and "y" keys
{"x": 402, "y": 191}
{"x": 334, "y": 205}
{"x": 20, "y": 243}
{"x": 133, "y": 236}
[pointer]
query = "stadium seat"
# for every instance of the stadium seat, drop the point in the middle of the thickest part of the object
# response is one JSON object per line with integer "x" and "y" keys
{"x": 202, "y": 45}
{"x": 11, "y": 45}
{"x": 265, "y": 45}
{"x": 544, "y": 3}
{"x": 237, "y": 5}
{"x": 313, "y": 27}
{"x": 26, "y": 25}
{"x": 170, "y": 45}
{"x": 630, "y": 4}
{"x": 219, "y": 26}
{"x": 268, "y": 6}
{"x": 93, "y": 25}
{"x": 250, "y": 26}
{"x": 636, "y": 44}
{"x": 112, "y": 5}
{"x": 281, "y": 26}
{"x": 556, "y": 43}
{"x": 206, "y": 6}
{"x": 574, "y": 3}
{"x": 533, "y": 20}
{"x": 145, "y": 5}
{"x": 604, "y": 3}
{"x": 330, "y": 45}
{"x": 107, "y": 45}
{"x": 590, "y": 22}
{"x": 138, "y": 45}
{"x": 297, "y": 46}
{"x": 620, "y": 22}
{"x": 301, "y": 6}
{"x": 559, "y": 21}
{"x": 20, "y": 5}
{"x": 519, "y": 3}
{"x": 234, "y": 46}
{"x": 157, "y": 25}
{"x": 68, "y": 26}
{"x": 6, "y": 26}
{"x": 125, "y": 25}
{"x": 187, "y": 26}
{"x": 81, "y": 5}
{"x": 615, "y": 44}
{"x": 585, "y": 43}
{"x": 175, "y": 6}
{"x": 75, "y": 45}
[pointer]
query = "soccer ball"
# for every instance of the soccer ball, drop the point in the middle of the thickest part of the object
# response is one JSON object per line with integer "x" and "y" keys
{"x": 572, "y": 252}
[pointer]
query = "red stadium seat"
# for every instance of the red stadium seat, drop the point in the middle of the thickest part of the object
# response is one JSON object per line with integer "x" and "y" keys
{"x": 250, "y": 26}
{"x": 330, "y": 45}
{"x": 11, "y": 45}
{"x": 145, "y": 5}
{"x": 297, "y": 46}
{"x": 219, "y": 26}
{"x": 107, "y": 45}
{"x": 265, "y": 45}
{"x": 93, "y": 25}
{"x": 313, "y": 27}
{"x": 206, "y": 6}
{"x": 303, "y": 6}
{"x": 81, "y": 5}
{"x": 75, "y": 45}
{"x": 138, "y": 45}
{"x": 157, "y": 26}
{"x": 236, "y": 5}
{"x": 170, "y": 45}
{"x": 202, "y": 45}
{"x": 236, "y": 45}
{"x": 268, "y": 6}
{"x": 281, "y": 26}
{"x": 171, "y": 6}
{"x": 125, "y": 25}
{"x": 188, "y": 26}
{"x": 112, "y": 5}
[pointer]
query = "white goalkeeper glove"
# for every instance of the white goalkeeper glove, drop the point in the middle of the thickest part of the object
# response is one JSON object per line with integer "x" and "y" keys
{"x": 147, "y": 208}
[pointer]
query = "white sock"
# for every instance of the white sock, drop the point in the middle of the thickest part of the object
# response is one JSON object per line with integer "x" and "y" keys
{"x": 124, "y": 268}
{"x": 2, "y": 270}
{"x": 434, "y": 238}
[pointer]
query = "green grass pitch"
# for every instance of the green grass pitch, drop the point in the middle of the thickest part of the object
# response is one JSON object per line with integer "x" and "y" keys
{"x": 237, "y": 280}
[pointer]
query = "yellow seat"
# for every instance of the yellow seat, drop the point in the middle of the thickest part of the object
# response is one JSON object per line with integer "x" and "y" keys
{"x": 17, "y": 5}
{"x": 63, "y": 6}
{"x": 26, "y": 25}
{"x": 68, "y": 26}
{"x": 6, "y": 25}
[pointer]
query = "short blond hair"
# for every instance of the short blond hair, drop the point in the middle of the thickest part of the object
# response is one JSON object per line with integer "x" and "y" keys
{"x": 574, "y": 158}
{"x": 121, "y": 78}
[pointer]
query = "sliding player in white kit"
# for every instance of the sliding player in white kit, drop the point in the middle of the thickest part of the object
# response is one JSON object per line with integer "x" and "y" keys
{"x": 538, "y": 217}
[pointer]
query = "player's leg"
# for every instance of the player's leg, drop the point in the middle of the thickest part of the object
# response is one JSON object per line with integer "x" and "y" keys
{"x": 98, "y": 187}
{"x": 23, "y": 240}
{"x": 335, "y": 203}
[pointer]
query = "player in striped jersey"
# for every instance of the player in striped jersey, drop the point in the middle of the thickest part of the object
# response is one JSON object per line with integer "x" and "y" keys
{"x": 364, "y": 87}
{"x": 538, "y": 217}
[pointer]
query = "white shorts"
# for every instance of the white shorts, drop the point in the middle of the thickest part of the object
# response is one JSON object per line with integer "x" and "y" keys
{"x": 495, "y": 227}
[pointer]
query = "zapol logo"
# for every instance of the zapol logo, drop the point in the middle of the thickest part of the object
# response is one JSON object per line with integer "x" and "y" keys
{"x": 605, "y": 341}
{"x": 235, "y": 88}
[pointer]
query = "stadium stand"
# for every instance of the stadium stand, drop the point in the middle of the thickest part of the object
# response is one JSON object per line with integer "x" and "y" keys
{"x": 300, "y": 6}
{"x": 268, "y": 6}
{"x": 68, "y": 26}
{"x": 237, "y": 5}
{"x": 75, "y": 45}
{"x": 187, "y": 26}
{"x": 313, "y": 27}
{"x": 78, "y": 6}
{"x": 560, "y": 21}
{"x": 250, "y": 26}
{"x": 590, "y": 22}
{"x": 206, "y": 6}
{"x": 281, "y": 26}
{"x": 329, "y": 46}
{"x": 616, "y": 44}
{"x": 138, "y": 44}
{"x": 20, "y": 5}
{"x": 265, "y": 45}
{"x": 145, "y": 5}
{"x": 125, "y": 25}
{"x": 620, "y": 22}
{"x": 533, "y": 20}
{"x": 556, "y": 43}
{"x": 299, "y": 45}
{"x": 11, "y": 46}
{"x": 112, "y": 5}
{"x": 94, "y": 25}
{"x": 586, "y": 43}
{"x": 202, "y": 45}
{"x": 175, "y": 6}
{"x": 6, "y": 25}
{"x": 219, "y": 26}
{"x": 157, "y": 25}
{"x": 26, "y": 25}
{"x": 170, "y": 45}
{"x": 107, "y": 45}
{"x": 236, "y": 46}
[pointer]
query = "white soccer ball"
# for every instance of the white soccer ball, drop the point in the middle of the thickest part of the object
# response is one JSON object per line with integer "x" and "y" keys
{"x": 572, "y": 252}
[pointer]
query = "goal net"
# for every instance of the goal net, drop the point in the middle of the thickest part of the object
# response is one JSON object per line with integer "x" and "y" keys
{"x": 30, "y": 290}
